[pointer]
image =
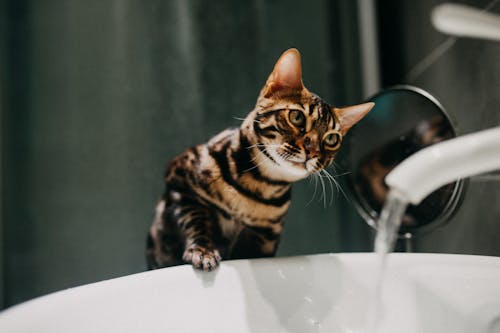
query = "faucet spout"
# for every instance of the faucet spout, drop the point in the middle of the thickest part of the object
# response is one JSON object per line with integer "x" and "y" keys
{"x": 430, "y": 168}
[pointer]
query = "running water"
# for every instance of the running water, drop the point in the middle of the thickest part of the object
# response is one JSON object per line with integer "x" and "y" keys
{"x": 388, "y": 223}
{"x": 387, "y": 231}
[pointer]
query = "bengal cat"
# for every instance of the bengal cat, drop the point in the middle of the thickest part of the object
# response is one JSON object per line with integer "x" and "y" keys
{"x": 228, "y": 198}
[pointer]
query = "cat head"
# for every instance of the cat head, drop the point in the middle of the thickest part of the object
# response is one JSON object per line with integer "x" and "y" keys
{"x": 295, "y": 132}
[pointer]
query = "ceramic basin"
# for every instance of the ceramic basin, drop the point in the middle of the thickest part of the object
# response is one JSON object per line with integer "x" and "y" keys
{"x": 318, "y": 293}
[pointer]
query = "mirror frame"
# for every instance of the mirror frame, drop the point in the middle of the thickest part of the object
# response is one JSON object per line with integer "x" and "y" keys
{"x": 457, "y": 196}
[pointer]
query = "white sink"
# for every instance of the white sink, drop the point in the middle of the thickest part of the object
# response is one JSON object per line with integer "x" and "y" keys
{"x": 318, "y": 293}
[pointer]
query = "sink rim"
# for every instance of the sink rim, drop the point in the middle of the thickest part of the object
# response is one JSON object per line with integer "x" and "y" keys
{"x": 243, "y": 286}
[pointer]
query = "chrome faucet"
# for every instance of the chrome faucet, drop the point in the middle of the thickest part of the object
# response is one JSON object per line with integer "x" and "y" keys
{"x": 430, "y": 168}
{"x": 447, "y": 161}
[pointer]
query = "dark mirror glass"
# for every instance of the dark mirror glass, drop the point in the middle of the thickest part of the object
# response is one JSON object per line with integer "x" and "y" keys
{"x": 404, "y": 120}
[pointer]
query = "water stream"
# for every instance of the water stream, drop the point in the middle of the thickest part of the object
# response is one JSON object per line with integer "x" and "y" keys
{"x": 387, "y": 232}
{"x": 388, "y": 223}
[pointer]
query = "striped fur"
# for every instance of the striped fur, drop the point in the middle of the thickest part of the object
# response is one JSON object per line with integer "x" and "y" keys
{"x": 228, "y": 198}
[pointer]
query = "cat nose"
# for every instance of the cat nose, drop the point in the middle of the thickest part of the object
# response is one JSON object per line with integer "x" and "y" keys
{"x": 311, "y": 147}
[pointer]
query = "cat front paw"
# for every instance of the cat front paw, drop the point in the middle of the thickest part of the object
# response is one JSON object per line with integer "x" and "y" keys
{"x": 202, "y": 258}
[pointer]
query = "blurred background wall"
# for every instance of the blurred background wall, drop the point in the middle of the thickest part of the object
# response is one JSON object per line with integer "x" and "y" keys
{"x": 97, "y": 96}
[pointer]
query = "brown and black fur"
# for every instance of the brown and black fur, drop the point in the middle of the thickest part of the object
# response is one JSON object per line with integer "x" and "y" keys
{"x": 228, "y": 198}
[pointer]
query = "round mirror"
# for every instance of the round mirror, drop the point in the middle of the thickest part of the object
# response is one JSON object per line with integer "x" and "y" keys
{"x": 404, "y": 120}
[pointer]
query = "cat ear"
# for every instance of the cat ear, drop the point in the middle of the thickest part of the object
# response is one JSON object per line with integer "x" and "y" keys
{"x": 350, "y": 115}
{"x": 286, "y": 78}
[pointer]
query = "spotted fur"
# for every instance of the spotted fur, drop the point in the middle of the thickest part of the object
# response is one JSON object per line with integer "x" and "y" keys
{"x": 228, "y": 198}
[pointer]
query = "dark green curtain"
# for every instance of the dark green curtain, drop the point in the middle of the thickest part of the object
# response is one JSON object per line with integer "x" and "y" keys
{"x": 99, "y": 95}
{"x": 3, "y": 44}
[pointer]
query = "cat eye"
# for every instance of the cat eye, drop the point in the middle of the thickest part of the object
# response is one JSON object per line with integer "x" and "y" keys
{"x": 331, "y": 139}
{"x": 297, "y": 118}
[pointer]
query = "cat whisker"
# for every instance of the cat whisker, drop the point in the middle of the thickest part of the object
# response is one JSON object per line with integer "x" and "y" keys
{"x": 315, "y": 188}
{"x": 323, "y": 195}
{"x": 243, "y": 119}
{"x": 317, "y": 175}
{"x": 342, "y": 174}
{"x": 334, "y": 167}
{"x": 317, "y": 172}
{"x": 263, "y": 146}
{"x": 337, "y": 184}
{"x": 255, "y": 146}
{"x": 330, "y": 179}
{"x": 256, "y": 165}
{"x": 335, "y": 172}
{"x": 254, "y": 159}
{"x": 320, "y": 172}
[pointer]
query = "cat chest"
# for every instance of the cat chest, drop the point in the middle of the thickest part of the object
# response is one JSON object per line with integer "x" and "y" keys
{"x": 232, "y": 225}
{"x": 238, "y": 207}
{"x": 229, "y": 227}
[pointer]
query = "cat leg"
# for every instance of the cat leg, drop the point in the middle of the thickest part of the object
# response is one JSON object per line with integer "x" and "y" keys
{"x": 163, "y": 241}
{"x": 195, "y": 222}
